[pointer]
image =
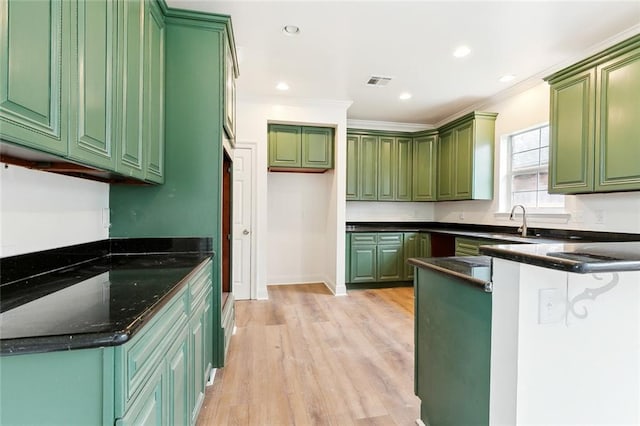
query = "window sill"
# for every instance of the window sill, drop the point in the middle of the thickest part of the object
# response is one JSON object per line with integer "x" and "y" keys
{"x": 537, "y": 217}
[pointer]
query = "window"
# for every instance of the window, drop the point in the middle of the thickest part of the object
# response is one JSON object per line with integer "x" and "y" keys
{"x": 528, "y": 161}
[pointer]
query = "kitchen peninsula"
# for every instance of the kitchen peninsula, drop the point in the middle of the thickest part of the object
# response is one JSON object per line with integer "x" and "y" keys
{"x": 550, "y": 335}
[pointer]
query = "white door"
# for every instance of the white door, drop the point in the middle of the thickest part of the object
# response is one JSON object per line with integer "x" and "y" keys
{"x": 243, "y": 164}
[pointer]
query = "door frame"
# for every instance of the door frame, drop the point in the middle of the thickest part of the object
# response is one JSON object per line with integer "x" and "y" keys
{"x": 252, "y": 147}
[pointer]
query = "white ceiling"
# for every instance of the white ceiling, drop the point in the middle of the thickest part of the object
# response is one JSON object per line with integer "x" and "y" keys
{"x": 343, "y": 43}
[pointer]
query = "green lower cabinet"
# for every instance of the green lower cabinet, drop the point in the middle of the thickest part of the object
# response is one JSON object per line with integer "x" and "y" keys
{"x": 471, "y": 246}
{"x": 390, "y": 263}
{"x": 375, "y": 257}
{"x": 149, "y": 409}
{"x": 364, "y": 261}
{"x": 452, "y": 349}
{"x": 178, "y": 381}
{"x": 198, "y": 363}
{"x": 347, "y": 255}
{"x": 424, "y": 244}
{"x": 410, "y": 249}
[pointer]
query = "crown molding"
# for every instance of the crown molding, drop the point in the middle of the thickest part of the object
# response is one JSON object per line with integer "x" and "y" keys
{"x": 389, "y": 126}
{"x": 294, "y": 101}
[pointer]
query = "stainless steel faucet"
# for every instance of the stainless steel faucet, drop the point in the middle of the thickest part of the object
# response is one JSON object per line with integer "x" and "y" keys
{"x": 523, "y": 228}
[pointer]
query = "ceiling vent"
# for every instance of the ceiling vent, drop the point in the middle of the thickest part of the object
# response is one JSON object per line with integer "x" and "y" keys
{"x": 378, "y": 81}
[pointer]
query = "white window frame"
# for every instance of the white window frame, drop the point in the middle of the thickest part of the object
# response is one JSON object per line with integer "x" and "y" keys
{"x": 505, "y": 182}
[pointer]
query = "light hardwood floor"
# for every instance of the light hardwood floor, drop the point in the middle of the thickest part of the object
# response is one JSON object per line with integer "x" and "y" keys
{"x": 306, "y": 357}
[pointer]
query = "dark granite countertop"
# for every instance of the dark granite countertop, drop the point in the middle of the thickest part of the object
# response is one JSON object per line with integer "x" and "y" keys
{"x": 474, "y": 270}
{"x": 572, "y": 257}
{"x": 493, "y": 232}
{"x": 115, "y": 288}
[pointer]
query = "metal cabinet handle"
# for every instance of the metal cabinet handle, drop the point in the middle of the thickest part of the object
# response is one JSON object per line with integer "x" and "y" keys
{"x": 245, "y": 232}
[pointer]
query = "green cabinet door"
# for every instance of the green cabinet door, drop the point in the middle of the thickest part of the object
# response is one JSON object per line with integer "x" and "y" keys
{"x": 93, "y": 84}
{"x": 34, "y": 61}
{"x": 387, "y": 168}
{"x": 198, "y": 363}
{"x": 424, "y": 245}
{"x": 390, "y": 257}
{"x": 149, "y": 408}
{"x": 404, "y": 169}
{"x": 317, "y": 147}
{"x": 571, "y": 123}
{"x": 347, "y": 258}
{"x": 368, "y": 168}
{"x": 390, "y": 263}
{"x": 617, "y": 148}
{"x": 284, "y": 146}
{"x": 130, "y": 90}
{"x": 446, "y": 151}
{"x": 410, "y": 249}
{"x": 463, "y": 154}
{"x": 363, "y": 267}
{"x": 424, "y": 168}
{"x": 153, "y": 81}
{"x": 353, "y": 175}
{"x": 363, "y": 263}
{"x": 177, "y": 400}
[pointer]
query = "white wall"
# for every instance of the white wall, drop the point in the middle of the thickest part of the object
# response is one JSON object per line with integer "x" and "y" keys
{"x": 374, "y": 211}
{"x": 41, "y": 210}
{"x": 619, "y": 212}
{"x": 280, "y": 234}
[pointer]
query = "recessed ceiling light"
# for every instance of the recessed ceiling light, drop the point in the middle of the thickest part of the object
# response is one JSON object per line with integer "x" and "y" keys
{"x": 461, "y": 51}
{"x": 291, "y": 30}
{"x": 507, "y": 78}
{"x": 404, "y": 96}
{"x": 282, "y": 86}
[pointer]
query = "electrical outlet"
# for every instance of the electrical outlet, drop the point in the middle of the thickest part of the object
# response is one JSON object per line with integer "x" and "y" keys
{"x": 106, "y": 223}
{"x": 461, "y": 215}
{"x": 599, "y": 216}
{"x": 551, "y": 306}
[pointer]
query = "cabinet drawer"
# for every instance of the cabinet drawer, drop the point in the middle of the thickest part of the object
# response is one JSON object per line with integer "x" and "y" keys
{"x": 143, "y": 354}
{"x": 471, "y": 247}
{"x": 198, "y": 286}
{"x": 389, "y": 238}
{"x": 364, "y": 238}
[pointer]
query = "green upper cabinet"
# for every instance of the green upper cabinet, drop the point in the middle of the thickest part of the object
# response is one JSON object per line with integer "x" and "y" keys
{"x": 317, "y": 147}
{"x": 131, "y": 94}
{"x": 465, "y": 158}
{"x": 362, "y": 167}
{"x": 368, "y": 168}
{"x": 618, "y": 124}
{"x": 384, "y": 166}
{"x": 91, "y": 82}
{"x": 594, "y": 123}
{"x": 572, "y": 121}
{"x": 153, "y": 83}
{"x": 445, "y": 165}
{"x": 353, "y": 175}
{"x": 285, "y": 145}
{"x": 404, "y": 169}
{"x": 34, "y": 61}
{"x": 305, "y": 148}
{"x": 387, "y": 168}
{"x": 395, "y": 164}
{"x": 230, "y": 74}
{"x": 424, "y": 168}
{"x": 93, "y": 74}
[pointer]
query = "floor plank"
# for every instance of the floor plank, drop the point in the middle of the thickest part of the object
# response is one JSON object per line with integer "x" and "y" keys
{"x": 306, "y": 357}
